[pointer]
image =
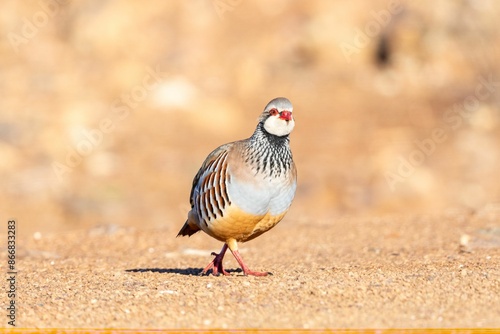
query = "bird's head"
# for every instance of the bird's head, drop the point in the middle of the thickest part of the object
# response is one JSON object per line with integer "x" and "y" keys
{"x": 277, "y": 117}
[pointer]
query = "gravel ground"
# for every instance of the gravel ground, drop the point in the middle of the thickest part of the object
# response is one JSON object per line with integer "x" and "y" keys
{"x": 439, "y": 270}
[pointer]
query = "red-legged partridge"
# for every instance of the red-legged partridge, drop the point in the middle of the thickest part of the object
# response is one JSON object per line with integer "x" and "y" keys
{"x": 244, "y": 188}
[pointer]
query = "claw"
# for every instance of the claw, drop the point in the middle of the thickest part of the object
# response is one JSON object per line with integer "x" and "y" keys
{"x": 256, "y": 273}
{"x": 216, "y": 264}
{"x": 217, "y": 267}
{"x": 246, "y": 270}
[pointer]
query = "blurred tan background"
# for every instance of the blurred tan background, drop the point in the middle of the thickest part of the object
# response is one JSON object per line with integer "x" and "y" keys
{"x": 108, "y": 108}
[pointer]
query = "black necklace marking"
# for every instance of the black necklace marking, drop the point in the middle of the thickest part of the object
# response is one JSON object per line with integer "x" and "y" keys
{"x": 270, "y": 154}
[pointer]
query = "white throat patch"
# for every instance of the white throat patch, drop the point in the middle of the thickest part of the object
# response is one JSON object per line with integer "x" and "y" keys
{"x": 278, "y": 127}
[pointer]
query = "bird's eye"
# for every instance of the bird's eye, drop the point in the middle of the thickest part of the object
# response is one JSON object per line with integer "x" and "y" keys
{"x": 273, "y": 112}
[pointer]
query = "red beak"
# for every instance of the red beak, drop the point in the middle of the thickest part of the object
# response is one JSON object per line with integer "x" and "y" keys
{"x": 286, "y": 115}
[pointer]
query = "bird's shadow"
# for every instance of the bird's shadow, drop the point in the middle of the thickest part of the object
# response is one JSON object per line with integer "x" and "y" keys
{"x": 180, "y": 271}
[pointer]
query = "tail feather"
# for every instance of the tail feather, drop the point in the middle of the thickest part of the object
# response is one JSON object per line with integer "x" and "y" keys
{"x": 188, "y": 229}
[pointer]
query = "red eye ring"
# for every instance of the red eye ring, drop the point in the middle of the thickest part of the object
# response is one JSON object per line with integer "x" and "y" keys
{"x": 273, "y": 112}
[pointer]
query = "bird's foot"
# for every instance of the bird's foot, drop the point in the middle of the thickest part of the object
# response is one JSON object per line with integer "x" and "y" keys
{"x": 216, "y": 264}
{"x": 246, "y": 270}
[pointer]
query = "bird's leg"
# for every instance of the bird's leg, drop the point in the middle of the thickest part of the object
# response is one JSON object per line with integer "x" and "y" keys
{"x": 233, "y": 247}
{"x": 216, "y": 264}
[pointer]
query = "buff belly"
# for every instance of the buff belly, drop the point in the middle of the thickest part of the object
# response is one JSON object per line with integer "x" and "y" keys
{"x": 239, "y": 225}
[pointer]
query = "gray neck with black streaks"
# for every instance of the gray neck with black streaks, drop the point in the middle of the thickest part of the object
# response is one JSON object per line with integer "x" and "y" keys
{"x": 269, "y": 154}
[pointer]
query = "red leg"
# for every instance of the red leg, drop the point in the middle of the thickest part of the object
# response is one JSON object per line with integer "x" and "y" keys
{"x": 216, "y": 264}
{"x": 246, "y": 270}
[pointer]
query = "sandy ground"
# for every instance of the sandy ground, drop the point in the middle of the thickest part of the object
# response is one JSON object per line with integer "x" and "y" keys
{"x": 107, "y": 112}
{"x": 421, "y": 271}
